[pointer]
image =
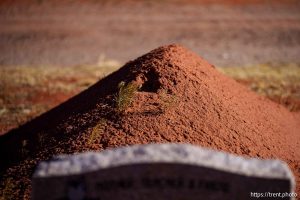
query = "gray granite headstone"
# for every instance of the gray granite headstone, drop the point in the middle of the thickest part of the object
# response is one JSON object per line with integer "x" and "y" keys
{"x": 160, "y": 171}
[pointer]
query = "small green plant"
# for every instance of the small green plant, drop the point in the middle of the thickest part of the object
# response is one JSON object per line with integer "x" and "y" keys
{"x": 96, "y": 131}
{"x": 8, "y": 190}
{"x": 167, "y": 100}
{"x": 125, "y": 95}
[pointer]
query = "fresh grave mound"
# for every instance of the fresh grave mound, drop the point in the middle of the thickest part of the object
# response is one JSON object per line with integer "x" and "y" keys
{"x": 167, "y": 95}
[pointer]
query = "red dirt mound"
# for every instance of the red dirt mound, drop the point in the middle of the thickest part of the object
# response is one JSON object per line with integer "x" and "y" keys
{"x": 179, "y": 98}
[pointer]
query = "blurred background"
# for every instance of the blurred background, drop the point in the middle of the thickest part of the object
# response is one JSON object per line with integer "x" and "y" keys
{"x": 51, "y": 50}
{"x": 76, "y": 32}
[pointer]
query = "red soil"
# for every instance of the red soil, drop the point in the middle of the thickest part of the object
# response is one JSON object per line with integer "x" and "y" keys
{"x": 182, "y": 98}
{"x": 230, "y": 2}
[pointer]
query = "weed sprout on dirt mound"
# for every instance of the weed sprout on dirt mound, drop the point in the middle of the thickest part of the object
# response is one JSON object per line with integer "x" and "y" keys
{"x": 125, "y": 95}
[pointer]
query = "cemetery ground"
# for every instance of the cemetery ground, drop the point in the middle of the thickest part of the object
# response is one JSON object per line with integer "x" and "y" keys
{"x": 164, "y": 77}
{"x": 28, "y": 91}
{"x": 37, "y": 38}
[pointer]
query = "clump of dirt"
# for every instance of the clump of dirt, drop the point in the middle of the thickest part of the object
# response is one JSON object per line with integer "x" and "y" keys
{"x": 177, "y": 97}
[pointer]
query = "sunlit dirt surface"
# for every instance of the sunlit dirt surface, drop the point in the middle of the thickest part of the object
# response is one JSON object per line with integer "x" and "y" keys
{"x": 29, "y": 91}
